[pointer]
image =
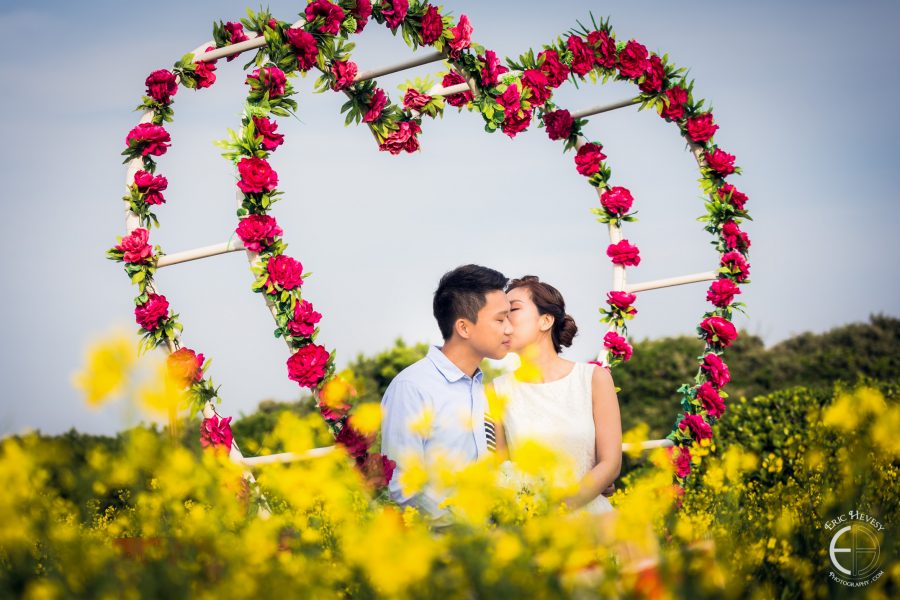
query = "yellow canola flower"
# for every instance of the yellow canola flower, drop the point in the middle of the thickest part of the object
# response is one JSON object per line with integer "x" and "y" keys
{"x": 414, "y": 476}
{"x": 338, "y": 391}
{"x": 496, "y": 403}
{"x": 110, "y": 361}
{"x": 528, "y": 370}
{"x": 422, "y": 424}
{"x": 635, "y": 436}
{"x": 366, "y": 418}
{"x": 163, "y": 394}
{"x": 473, "y": 494}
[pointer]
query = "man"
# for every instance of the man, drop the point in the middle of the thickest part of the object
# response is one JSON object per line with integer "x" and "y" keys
{"x": 445, "y": 388}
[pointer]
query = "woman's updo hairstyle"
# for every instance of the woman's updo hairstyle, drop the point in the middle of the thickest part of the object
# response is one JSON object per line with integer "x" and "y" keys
{"x": 549, "y": 302}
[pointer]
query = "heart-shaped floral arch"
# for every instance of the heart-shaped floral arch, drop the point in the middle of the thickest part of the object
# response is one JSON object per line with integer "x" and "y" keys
{"x": 509, "y": 97}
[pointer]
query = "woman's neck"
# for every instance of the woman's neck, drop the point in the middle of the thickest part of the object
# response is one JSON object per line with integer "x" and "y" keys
{"x": 542, "y": 358}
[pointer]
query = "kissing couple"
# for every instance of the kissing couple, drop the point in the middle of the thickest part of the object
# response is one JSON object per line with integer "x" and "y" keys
{"x": 567, "y": 406}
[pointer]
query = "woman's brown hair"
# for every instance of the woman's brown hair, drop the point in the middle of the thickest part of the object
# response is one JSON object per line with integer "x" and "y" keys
{"x": 549, "y": 302}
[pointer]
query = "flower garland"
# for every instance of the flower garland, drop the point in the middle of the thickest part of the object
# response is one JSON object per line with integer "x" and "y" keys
{"x": 509, "y": 98}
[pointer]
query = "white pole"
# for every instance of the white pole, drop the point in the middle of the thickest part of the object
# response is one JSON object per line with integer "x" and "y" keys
{"x": 596, "y": 110}
{"x": 197, "y": 253}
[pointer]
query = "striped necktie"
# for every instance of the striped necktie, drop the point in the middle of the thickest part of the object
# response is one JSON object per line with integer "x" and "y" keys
{"x": 490, "y": 433}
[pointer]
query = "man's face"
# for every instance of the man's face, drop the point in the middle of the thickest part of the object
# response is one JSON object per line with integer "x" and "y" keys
{"x": 490, "y": 336}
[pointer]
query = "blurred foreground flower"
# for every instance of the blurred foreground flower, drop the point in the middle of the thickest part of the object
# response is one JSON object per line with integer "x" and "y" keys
{"x": 109, "y": 365}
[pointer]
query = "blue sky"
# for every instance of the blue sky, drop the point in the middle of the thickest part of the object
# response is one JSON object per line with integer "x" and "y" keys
{"x": 803, "y": 92}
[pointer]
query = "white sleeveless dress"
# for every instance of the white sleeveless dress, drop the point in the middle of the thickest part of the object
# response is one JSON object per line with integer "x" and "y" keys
{"x": 559, "y": 415}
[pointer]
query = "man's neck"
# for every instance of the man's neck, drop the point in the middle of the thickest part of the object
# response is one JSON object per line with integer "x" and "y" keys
{"x": 462, "y": 355}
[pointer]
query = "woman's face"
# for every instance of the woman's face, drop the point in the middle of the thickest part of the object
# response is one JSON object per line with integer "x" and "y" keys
{"x": 529, "y": 326}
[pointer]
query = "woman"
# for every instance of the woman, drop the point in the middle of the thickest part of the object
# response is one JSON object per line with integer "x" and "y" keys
{"x": 569, "y": 407}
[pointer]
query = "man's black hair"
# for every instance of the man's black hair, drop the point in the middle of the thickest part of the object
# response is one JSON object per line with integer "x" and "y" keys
{"x": 462, "y": 293}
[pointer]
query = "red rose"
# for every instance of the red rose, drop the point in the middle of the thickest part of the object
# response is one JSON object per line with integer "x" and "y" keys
{"x": 588, "y": 158}
{"x": 559, "y": 124}
{"x": 701, "y": 128}
{"x": 432, "y": 25}
{"x": 516, "y": 122}
{"x": 510, "y": 99}
{"x": 729, "y": 193}
{"x": 633, "y": 60}
{"x": 354, "y": 441}
{"x": 720, "y": 162}
{"x": 305, "y": 48}
{"x": 134, "y": 247}
{"x": 604, "y": 48}
{"x": 453, "y": 78}
{"x": 735, "y": 239}
{"x": 266, "y": 130}
{"x": 617, "y": 345}
{"x": 305, "y": 318}
{"x": 624, "y": 253}
{"x": 394, "y": 11}
{"x": 722, "y": 292}
{"x": 582, "y": 55}
{"x": 682, "y": 461}
{"x": 344, "y": 74}
{"x": 235, "y": 35}
{"x": 623, "y": 301}
{"x": 284, "y": 271}
{"x": 490, "y": 74}
{"x": 715, "y": 370}
{"x": 258, "y": 232}
{"x": 256, "y": 176}
{"x": 216, "y": 433}
{"x": 361, "y": 13}
{"x": 616, "y": 200}
{"x": 185, "y": 366}
{"x": 654, "y": 76}
{"x": 537, "y": 82}
{"x": 718, "y": 331}
{"x": 377, "y": 102}
{"x": 700, "y": 429}
{"x": 462, "y": 36}
{"x": 331, "y": 16}
{"x": 737, "y": 264}
{"x": 404, "y": 139}
{"x": 677, "y": 98}
{"x": 268, "y": 79}
{"x": 415, "y": 100}
{"x": 149, "y": 314}
{"x": 306, "y": 366}
{"x": 204, "y": 72}
{"x": 550, "y": 65}
{"x": 712, "y": 401}
{"x": 150, "y": 139}
{"x": 378, "y": 470}
{"x": 161, "y": 86}
{"x": 151, "y": 186}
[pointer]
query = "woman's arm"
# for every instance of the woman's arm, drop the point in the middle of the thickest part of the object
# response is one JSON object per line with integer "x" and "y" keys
{"x": 608, "y": 439}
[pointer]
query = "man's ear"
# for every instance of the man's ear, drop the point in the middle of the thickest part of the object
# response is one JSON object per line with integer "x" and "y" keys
{"x": 462, "y": 327}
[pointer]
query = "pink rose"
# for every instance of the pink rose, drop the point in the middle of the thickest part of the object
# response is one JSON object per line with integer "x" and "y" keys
{"x": 161, "y": 86}
{"x": 256, "y": 176}
{"x": 361, "y": 13}
{"x": 185, "y": 366}
{"x": 623, "y": 301}
{"x": 151, "y": 186}
{"x": 284, "y": 271}
{"x": 616, "y": 200}
{"x": 378, "y": 470}
{"x": 269, "y": 79}
{"x": 235, "y": 34}
{"x": 510, "y": 99}
{"x": 715, "y": 370}
{"x": 150, "y": 139}
{"x": 550, "y": 65}
{"x": 516, "y": 122}
{"x": 677, "y": 98}
{"x": 718, "y": 331}
{"x": 216, "y": 433}
{"x": 204, "y": 72}
{"x": 404, "y": 139}
{"x": 712, "y": 401}
{"x": 624, "y": 253}
{"x": 700, "y": 429}
{"x": 305, "y": 48}
{"x": 682, "y": 461}
{"x": 344, "y": 74}
{"x": 149, "y": 314}
{"x": 306, "y": 366}
{"x": 588, "y": 158}
{"x": 604, "y": 48}
{"x": 415, "y": 100}
{"x": 376, "y": 106}
{"x": 453, "y": 78}
{"x": 701, "y": 128}
{"x": 490, "y": 74}
{"x": 134, "y": 247}
{"x": 559, "y": 124}
{"x": 633, "y": 60}
{"x": 722, "y": 292}
{"x": 654, "y": 76}
{"x": 331, "y": 16}
{"x": 266, "y": 130}
{"x": 394, "y": 11}
{"x": 462, "y": 36}
{"x": 258, "y": 232}
{"x": 432, "y": 25}
{"x": 737, "y": 264}
{"x": 735, "y": 239}
{"x": 720, "y": 162}
{"x": 305, "y": 318}
{"x": 617, "y": 345}
{"x": 582, "y": 55}
{"x": 538, "y": 83}
{"x": 729, "y": 193}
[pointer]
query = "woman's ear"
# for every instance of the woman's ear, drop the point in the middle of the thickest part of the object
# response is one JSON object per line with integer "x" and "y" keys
{"x": 545, "y": 323}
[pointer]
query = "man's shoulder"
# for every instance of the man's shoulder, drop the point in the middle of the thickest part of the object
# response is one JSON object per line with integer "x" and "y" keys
{"x": 420, "y": 374}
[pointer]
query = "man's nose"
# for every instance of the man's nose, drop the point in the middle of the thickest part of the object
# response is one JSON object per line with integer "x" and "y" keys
{"x": 508, "y": 329}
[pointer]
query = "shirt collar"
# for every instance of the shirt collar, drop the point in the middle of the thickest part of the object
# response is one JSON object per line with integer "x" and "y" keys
{"x": 446, "y": 367}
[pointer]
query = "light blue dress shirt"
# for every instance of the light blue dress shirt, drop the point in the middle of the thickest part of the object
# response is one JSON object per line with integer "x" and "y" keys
{"x": 457, "y": 404}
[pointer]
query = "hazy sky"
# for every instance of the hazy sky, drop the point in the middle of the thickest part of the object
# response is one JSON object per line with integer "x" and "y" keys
{"x": 804, "y": 93}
